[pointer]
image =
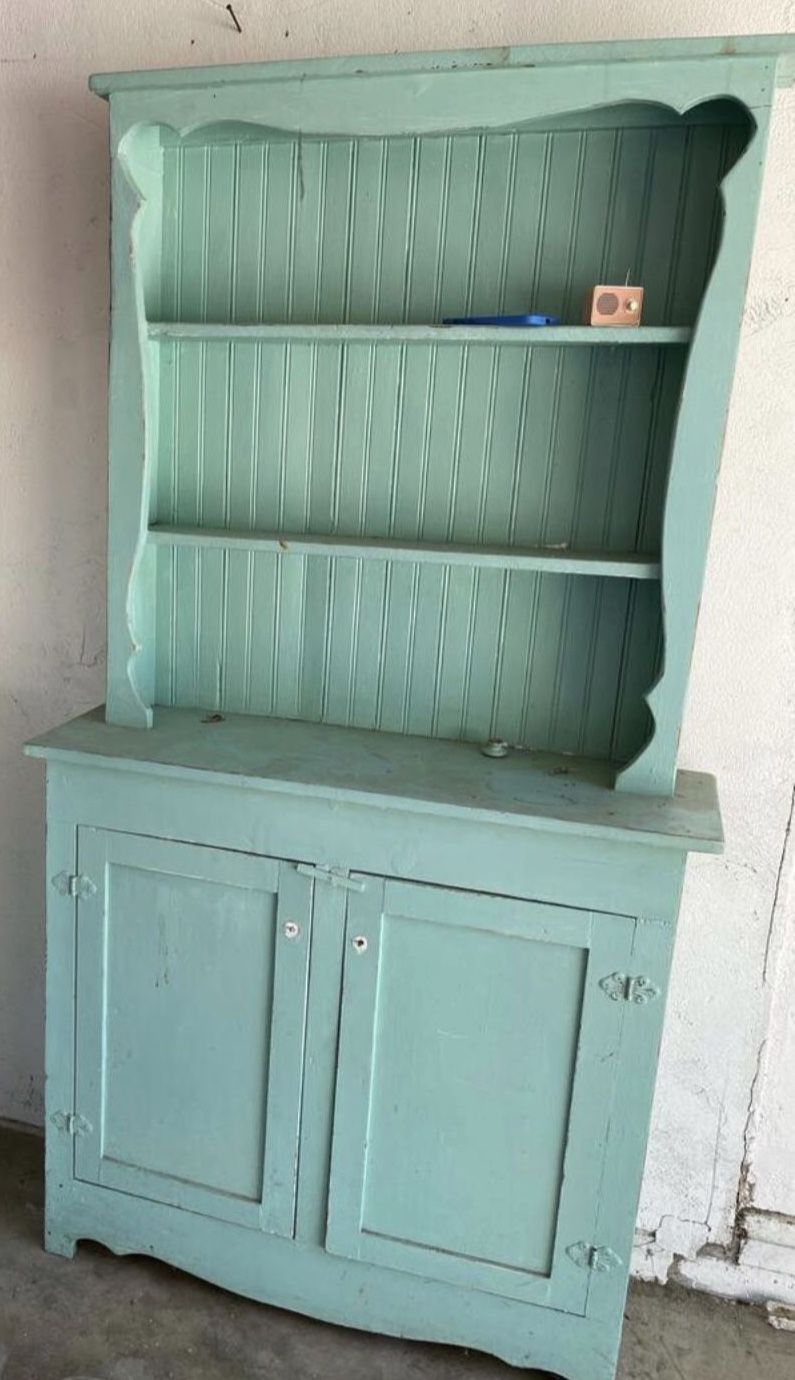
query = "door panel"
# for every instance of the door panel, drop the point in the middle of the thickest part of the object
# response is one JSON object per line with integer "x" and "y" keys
{"x": 474, "y": 1087}
{"x": 191, "y": 1012}
{"x": 457, "y": 1084}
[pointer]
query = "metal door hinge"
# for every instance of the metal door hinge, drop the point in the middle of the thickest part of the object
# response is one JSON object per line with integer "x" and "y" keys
{"x": 67, "y": 884}
{"x": 334, "y": 876}
{"x": 622, "y": 987}
{"x": 588, "y": 1257}
{"x": 71, "y": 1122}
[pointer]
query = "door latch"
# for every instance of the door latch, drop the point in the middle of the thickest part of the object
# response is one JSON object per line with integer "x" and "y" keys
{"x": 333, "y": 876}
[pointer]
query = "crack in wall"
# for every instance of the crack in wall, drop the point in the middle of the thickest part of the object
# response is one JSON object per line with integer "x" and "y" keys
{"x": 746, "y": 1184}
{"x": 667, "y": 1257}
{"x": 777, "y": 888}
{"x": 716, "y": 1154}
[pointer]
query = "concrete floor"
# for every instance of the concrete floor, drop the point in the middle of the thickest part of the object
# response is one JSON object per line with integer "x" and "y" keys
{"x": 102, "y": 1318}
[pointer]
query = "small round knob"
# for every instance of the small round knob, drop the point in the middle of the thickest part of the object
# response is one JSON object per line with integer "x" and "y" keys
{"x": 359, "y": 943}
{"x": 495, "y": 747}
{"x": 632, "y": 305}
{"x": 291, "y": 930}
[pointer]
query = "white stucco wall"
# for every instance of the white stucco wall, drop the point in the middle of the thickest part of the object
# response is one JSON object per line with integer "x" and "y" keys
{"x": 724, "y": 1120}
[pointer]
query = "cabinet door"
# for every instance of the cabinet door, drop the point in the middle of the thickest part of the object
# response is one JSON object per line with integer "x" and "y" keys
{"x": 191, "y": 1001}
{"x": 474, "y": 1088}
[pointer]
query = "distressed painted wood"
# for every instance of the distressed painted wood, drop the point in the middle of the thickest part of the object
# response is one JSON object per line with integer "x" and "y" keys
{"x": 694, "y": 464}
{"x": 376, "y": 334}
{"x": 169, "y": 934}
{"x": 395, "y": 840}
{"x": 291, "y": 278}
{"x": 551, "y": 558}
{"x": 416, "y": 229}
{"x": 132, "y": 433}
{"x": 569, "y": 949}
{"x": 486, "y": 442}
{"x": 343, "y": 1014}
{"x": 776, "y": 50}
{"x": 479, "y": 1191}
{"x": 480, "y": 441}
{"x": 540, "y": 790}
{"x": 428, "y": 98}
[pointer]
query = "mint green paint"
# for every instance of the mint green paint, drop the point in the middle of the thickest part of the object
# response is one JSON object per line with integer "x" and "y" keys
{"x": 490, "y": 1013}
{"x": 171, "y": 932}
{"x": 342, "y": 1013}
{"x": 378, "y": 334}
{"x": 297, "y": 389}
{"x": 550, "y": 558}
{"x": 501, "y": 998}
{"x": 529, "y": 791}
{"x": 410, "y": 230}
{"x": 775, "y": 49}
{"x": 694, "y": 463}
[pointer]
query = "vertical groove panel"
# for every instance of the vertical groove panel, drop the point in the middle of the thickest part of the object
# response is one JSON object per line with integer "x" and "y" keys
{"x": 466, "y": 444}
{"x": 545, "y": 661}
{"x": 409, "y": 229}
{"x": 557, "y": 446}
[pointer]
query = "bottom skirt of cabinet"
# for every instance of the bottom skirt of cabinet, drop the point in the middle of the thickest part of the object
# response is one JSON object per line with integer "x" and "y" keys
{"x": 304, "y": 1278}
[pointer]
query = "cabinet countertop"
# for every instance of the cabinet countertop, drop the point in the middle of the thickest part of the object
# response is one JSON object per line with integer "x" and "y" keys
{"x": 538, "y": 790}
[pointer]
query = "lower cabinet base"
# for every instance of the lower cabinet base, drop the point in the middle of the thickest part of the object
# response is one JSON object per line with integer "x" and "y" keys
{"x": 341, "y": 1082}
{"x": 304, "y": 1278}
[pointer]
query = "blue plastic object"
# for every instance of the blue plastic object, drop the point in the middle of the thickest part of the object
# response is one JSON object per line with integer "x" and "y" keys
{"x": 532, "y": 320}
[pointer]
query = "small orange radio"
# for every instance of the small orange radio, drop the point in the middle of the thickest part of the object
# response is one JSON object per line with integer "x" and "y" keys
{"x": 611, "y": 304}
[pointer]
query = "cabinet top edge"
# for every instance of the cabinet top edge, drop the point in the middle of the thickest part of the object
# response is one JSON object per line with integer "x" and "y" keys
{"x": 434, "y": 777}
{"x": 770, "y": 46}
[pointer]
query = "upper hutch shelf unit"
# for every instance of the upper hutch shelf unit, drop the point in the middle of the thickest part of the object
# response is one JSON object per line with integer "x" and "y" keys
{"x": 342, "y": 1013}
{"x": 328, "y": 506}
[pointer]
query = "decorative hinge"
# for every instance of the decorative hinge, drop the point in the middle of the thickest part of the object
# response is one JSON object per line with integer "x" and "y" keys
{"x": 334, "y": 876}
{"x": 67, "y": 884}
{"x": 588, "y": 1257}
{"x": 622, "y": 987}
{"x": 71, "y": 1122}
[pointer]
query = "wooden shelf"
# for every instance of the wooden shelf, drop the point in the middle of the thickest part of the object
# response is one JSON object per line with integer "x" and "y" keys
{"x": 553, "y": 560}
{"x": 423, "y": 335}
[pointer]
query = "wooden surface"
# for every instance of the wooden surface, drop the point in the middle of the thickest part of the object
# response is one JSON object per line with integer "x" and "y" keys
{"x": 379, "y": 334}
{"x": 618, "y": 565}
{"x": 695, "y": 460}
{"x": 779, "y": 48}
{"x": 538, "y": 790}
{"x": 402, "y": 231}
{"x": 170, "y": 932}
{"x": 495, "y": 1040}
{"x": 290, "y": 261}
{"x": 513, "y": 448}
{"x": 482, "y": 1192}
{"x": 308, "y": 924}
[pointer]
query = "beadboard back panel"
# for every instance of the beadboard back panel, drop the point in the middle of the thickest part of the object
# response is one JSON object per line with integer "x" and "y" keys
{"x": 558, "y": 448}
{"x": 550, "y": 446}
{"x": 540, "y": 660}
{"x": 351, "y": 512}
{"x": 415, "y": 229}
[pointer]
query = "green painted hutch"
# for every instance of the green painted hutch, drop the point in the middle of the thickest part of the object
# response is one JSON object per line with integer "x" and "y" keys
{"x": 344, "y": 1013}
